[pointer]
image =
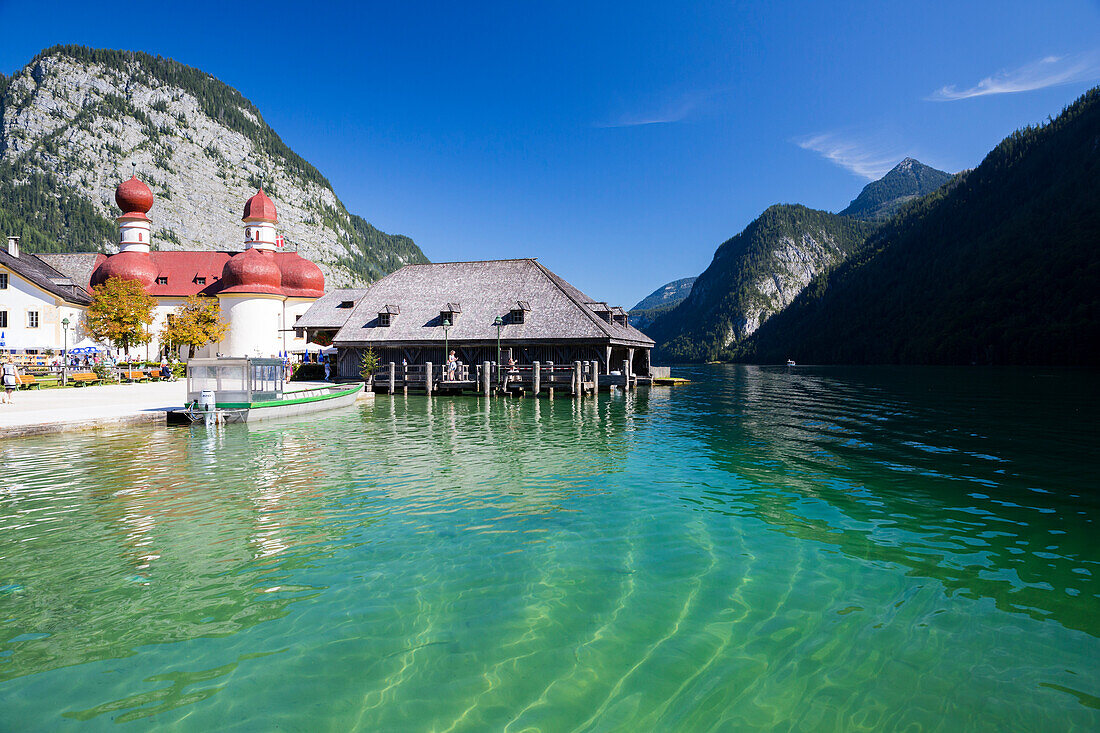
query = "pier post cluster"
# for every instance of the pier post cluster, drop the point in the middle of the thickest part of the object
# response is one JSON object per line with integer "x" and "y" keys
{"x": 520, "y": 380}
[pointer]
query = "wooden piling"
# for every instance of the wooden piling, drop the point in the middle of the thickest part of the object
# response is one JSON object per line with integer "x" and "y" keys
{"x": 536, "y": 379}
{"x": 486, "y": 378}
{"x": 578, "y": 377}
{"x": 626, "y": 375}
{"x": 428, "y": 378}
{"x": 393, "y": 377}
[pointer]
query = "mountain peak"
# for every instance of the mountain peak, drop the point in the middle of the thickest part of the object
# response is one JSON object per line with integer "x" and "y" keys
{"x": 907, "y": 180}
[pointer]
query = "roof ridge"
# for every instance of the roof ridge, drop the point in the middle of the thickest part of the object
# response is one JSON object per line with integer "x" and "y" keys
{"x": 469, "y": 262}
{"x": 552, "y": 277}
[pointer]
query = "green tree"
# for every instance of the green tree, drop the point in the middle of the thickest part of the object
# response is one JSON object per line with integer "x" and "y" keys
{"x": 368, "y": 362}
{"x": 120, "y": 313}
{"x": 194, "y": 323}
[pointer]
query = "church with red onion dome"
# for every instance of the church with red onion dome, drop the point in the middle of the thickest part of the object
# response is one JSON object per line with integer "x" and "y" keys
{"x": 262, "y": 291}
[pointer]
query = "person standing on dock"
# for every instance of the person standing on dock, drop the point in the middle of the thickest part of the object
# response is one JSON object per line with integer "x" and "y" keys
{"x": 10, "y": 379}
{"x": 452, "y": 366}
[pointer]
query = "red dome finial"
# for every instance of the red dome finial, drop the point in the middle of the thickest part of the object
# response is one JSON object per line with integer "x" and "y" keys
{"x": 260, "y": 207}
{"x": 134, "y": 197}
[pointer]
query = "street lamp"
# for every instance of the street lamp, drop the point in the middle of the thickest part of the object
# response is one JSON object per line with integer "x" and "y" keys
{"x": 446, "y": 354}
{"x": 65, "y": 352}
{"x": 499, "y": 323}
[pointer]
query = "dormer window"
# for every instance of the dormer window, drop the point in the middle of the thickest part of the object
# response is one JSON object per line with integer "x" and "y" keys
{"x": 162, "y": 281}
{"x": 345, "y": 304}
{"x": 386, "y": 315}
{"x": 200, "y": 280}
{"x": 518, "y": 314}
{"x": 449, "y": 313}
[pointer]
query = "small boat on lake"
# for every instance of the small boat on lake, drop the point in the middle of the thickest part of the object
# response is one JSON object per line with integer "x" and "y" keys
{"x": 246, "y": 390}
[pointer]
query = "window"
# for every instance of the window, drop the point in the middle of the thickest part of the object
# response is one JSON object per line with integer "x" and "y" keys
{"x": 297, "y": 318}
{"x": 346, "y": 304}
{"x": 299, "y": 333}
{"x": 162, "y": 281}
{"x": 3, "y": 319}
{"x": 3, "y": 281}
{"x": 200, "y": 280}
{"x": 32, "y": 319}
{"x": 384, "y": 320}
{"x": 139, "y": 236}
{"x": 516, "y": 316}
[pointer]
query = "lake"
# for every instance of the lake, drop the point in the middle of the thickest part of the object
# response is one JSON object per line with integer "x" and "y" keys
{"x": 792, "y": 548}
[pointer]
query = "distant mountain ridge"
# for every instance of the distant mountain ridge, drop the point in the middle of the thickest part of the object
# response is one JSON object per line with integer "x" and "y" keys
{"x": 910, "y": 179}
{"x": 73, "y": 119}
{"x": 1002, "y": 266}
{"x": 660, "y": 301}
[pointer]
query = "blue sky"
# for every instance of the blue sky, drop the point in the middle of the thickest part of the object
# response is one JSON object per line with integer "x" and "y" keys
{"x": 620, "y": 143}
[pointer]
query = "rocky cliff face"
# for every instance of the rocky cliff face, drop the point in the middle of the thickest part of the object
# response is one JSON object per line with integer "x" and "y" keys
{"x": 753, "y": 276}
{"x": 78, "y": 118}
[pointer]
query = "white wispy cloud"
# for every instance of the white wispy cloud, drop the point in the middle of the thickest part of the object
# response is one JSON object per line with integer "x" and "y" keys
{"x": 672, "y": 110}
{"x": 1046, "y": 72}
{"x": 868, "y": 160}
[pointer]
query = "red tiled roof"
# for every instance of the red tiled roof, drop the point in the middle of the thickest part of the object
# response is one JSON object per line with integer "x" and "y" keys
{"x": 195, "y": 272}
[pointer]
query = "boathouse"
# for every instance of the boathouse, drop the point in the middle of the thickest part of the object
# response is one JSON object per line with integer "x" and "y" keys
{"x": 419, "y": 313}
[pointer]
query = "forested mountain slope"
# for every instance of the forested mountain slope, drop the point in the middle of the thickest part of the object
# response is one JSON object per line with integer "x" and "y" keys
{"x": 1000, "y": 267}
{"x": 910, "y": 179}
{"x": 752, "y": 276}
{"x": 74, "y": 118}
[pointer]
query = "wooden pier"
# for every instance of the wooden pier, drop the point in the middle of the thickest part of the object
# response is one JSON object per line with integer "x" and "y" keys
{"x": 488, "y": 378}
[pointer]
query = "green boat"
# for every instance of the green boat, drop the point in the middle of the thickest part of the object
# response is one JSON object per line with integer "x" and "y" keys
{"x": 237, "y": 389}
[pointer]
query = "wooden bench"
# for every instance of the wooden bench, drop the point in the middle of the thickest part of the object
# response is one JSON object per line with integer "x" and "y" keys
{"x": 26, "y": 381}
{"x": 135, "y": 376}
{"x": 81, "y": 378}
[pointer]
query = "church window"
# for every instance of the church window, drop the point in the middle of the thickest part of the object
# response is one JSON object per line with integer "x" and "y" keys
{"x": 139, "y": 236}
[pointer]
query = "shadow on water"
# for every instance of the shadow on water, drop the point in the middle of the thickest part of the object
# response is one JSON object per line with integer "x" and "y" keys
{"x": 982, "y": 479}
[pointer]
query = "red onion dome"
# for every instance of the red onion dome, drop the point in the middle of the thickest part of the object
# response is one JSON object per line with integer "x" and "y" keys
{"x": 301, "y": 278}
{"x": 252, "y": 271}
{"x": 128, "y": 266}
{"x": 260, "y": 207}
{"x": 134, "y": 198}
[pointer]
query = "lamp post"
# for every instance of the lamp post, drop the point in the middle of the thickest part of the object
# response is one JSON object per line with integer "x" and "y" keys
{"x": 65, "y": 353}
{"x": 499, "y": 323}
{"x": 446, "y": 353}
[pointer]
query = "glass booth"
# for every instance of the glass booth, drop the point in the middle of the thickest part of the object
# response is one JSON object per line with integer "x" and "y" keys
{"x": 235, "y": 379}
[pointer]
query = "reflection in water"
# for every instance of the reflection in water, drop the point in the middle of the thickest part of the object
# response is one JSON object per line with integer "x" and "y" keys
{"x": 813, "y": 548}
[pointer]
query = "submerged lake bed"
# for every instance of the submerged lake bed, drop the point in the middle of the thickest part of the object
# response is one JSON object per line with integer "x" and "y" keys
{"x": 808, "y": 548}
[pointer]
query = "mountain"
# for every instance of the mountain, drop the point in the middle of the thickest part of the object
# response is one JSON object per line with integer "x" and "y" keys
{"x": 660, "y": 301}
{"x": 1000, "y": 267}
{"x": 752, "y": 276}
{"x": 908, "y": 180}
{"x": 73, "y": 119}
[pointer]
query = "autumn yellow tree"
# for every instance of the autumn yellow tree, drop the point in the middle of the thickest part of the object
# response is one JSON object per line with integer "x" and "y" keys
{"x": 120, "y": 313}
{"x": 194, "y": 323}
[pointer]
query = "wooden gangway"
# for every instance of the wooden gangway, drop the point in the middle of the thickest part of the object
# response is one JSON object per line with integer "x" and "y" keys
{"x": 547, "y": 379}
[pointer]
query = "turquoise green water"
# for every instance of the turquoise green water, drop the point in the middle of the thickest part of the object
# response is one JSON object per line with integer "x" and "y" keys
{"x": 807, "y": 549}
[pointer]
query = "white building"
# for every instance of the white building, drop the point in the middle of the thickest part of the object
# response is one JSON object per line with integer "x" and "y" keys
{"x": 35, "y": 299}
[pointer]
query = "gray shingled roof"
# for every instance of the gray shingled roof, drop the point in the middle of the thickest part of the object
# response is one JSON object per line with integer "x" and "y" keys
{"x": 486, "y": 290}
{"x": 325, "y": 313}
{"x": 77, "y": 266}
{"x": 34, "y": 269}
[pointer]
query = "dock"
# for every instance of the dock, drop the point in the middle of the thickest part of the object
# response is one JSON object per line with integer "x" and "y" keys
{"x": 42, "y": 412}
{"x": 516, "y": 380}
